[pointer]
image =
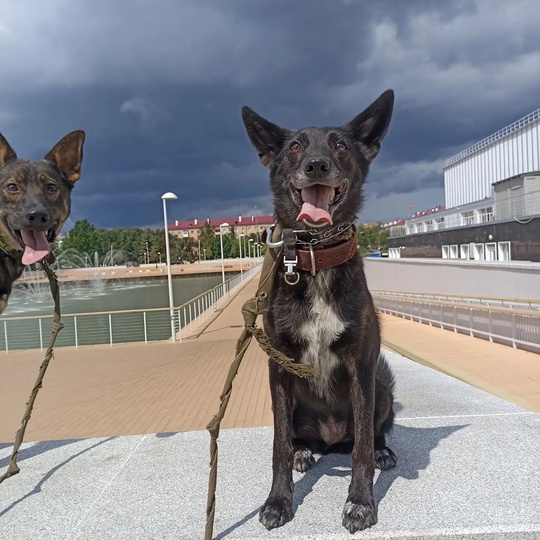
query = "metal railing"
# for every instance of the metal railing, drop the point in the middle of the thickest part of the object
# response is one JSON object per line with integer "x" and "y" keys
{"x": 504, "y": 132}
{"x": 509, "y": 321}
{"x": 124, "y": 326}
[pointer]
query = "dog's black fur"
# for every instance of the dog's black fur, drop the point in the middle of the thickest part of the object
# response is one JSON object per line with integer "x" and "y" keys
{"x": 327, "y": 320}
{"x": 34, "y": 196}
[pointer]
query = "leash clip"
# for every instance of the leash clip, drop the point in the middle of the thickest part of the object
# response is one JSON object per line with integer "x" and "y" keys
{"x": 269, "y": 243}
{"x": 292, "y": 277}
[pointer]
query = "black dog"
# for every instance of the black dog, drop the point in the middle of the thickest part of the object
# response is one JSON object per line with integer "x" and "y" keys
{"x": 35, "y": 201}
{"x": 321, "y": 312}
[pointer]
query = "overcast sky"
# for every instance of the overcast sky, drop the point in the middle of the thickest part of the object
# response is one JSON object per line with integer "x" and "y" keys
{"x": 158, "y": 86}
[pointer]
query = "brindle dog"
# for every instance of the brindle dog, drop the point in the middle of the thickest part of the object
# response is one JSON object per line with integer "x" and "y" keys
{"x": 326, "y": 318}
{"x": 35, "y": 201}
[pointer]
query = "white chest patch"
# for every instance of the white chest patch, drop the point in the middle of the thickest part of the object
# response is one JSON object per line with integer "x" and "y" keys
{"x": 319, "y": 331}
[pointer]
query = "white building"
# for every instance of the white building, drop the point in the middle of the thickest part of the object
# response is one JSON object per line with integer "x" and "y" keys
{"x": 511, "y": 151}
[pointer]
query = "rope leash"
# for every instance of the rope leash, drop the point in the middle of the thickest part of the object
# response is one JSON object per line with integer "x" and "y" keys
{"x": 13, "y": 468}
{"x": 250, "y": 310}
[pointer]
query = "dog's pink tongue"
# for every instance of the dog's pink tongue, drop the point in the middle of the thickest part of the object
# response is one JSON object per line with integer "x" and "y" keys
{"x": 316, "y": 201}
{"x": 36, "y": 246}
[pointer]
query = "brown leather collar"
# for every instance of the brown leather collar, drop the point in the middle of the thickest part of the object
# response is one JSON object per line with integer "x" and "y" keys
{"x": 324, "y": 258}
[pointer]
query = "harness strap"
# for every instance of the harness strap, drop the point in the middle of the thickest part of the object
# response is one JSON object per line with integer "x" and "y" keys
{"x": 13, "y": 468}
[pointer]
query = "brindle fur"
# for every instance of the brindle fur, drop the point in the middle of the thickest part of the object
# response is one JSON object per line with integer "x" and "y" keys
{"x": 34, "y": 195}
{"x": 327, "y": 320}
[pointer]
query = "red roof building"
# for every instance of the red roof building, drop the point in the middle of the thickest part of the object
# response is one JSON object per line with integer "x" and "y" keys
{"x": 247, "y": 225}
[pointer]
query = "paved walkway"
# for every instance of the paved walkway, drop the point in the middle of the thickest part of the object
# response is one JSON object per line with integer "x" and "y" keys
{"x": 121, "y": 451}
{"x": 131, "y": 389}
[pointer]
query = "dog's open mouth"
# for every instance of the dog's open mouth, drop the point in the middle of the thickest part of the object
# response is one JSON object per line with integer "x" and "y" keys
{"x": 36, "y": 243}
{"x": 317, "y": 201}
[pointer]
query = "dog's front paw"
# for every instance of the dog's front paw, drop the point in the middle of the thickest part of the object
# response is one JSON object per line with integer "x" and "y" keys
{"x": 357, "y": 517}
{"x": 385, "y": 459}
{"x": 303, "y": 460}
{"x": 275, "y": 513}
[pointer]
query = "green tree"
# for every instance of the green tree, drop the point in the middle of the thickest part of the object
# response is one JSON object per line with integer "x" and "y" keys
{"x": 81, "y": 237}
{"x": 207, "y": 237}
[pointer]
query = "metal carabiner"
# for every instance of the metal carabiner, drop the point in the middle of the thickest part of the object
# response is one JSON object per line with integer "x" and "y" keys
{"x": 269, "y": 243}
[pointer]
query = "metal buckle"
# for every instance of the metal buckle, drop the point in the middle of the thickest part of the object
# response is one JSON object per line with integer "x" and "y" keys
{"x": 291, "y": 276}
{"x": 312, "y": 256}
{"x": 269, "y": 243}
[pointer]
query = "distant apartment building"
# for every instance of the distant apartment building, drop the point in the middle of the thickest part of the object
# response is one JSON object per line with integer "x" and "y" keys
{"x": 242, "y": 225}
{"x": 492, "y": 194}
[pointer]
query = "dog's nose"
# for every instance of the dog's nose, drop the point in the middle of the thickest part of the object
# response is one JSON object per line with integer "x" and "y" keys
{"x": 37, "y": 217}
{"x": 316, "y": 166}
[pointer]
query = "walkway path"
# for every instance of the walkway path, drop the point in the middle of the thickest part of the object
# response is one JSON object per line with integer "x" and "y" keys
{"x": 130, "y": 389}
{"x": 467, "y": 469}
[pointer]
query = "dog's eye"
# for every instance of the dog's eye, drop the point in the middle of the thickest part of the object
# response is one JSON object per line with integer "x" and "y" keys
{"x": 13, "y": 188}
{"x": 295, "y": 147}
{"x": 51, "y": 188}
{"x": 341, "y": 146}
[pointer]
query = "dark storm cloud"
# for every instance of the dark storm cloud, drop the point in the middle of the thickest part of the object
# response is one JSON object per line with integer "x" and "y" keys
{"x": 158, "y": 87}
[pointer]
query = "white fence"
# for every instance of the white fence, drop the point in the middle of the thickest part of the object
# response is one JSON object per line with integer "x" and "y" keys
{"x": 115, "y": 327}
{"x": 508, "y": 321}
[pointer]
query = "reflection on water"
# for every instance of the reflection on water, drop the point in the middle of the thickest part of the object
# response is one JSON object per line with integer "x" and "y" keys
{"x": 113, "y": 295}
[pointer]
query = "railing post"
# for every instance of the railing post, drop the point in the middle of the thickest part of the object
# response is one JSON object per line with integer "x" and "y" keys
{"x": 145, "y": 328}
{"x": 110, "y": 329}
{"x": 75, "y": 329}
{"x": 470, "y": 322}
{"x": 5, "y": 335}
{"x": 185, "y": 322}
{"x": 179, "y": 326}
{"x": 514, "y": 331}
{"x": 490, "y": 325}
{"x": 40, "y": 335}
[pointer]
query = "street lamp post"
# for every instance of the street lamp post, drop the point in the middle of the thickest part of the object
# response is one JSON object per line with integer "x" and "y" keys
{"x": 240, "y": 244}
{"x": 249, "y": 245}
{"x": 169, "y": 197}
{"x": 222, "y": 261}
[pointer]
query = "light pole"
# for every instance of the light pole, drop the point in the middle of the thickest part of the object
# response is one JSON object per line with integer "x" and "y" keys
{"x": 159, "y": 255}
{"x": 240, "y": 244}
{"x": 222, "y": 261}
{"x": 204, "y": 252}
{"x": 169, "y": 197}
{"x": 249, "y": 245}
{"x": 147, "y": 254}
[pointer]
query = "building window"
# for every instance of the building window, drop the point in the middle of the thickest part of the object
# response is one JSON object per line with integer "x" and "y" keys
{"x": 467, "y": 218}
{"x": 185, "y": 234}
{"x": 454, "y": 251}
{"x": 429, "y": 225}
{"x": 464, "y": 251}
{"x": 491, "y": 251}
{"x": 478, "y": 252}
{"x": 485, "y": 214}
{"x": 504, "y": 251}
{"x": 439, "y": 223}
{"x": 446, "y": 252}
{"x": 410, "y": 228}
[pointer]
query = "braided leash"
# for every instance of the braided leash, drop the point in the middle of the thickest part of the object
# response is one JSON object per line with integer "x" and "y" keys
{"x": 250, "y": 310}
{"x": 13, "y": 468}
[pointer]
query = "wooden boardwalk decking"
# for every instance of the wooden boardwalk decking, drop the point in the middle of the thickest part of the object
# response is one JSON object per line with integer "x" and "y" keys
{"x": 102, "y": 391}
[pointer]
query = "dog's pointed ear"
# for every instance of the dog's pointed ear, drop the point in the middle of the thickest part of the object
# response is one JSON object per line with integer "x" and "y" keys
{"x": 67, "y": 155}
{"x": 370, "y": 126}
{"x": 6, "y": 152}
{"x": 267, "y": 138}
